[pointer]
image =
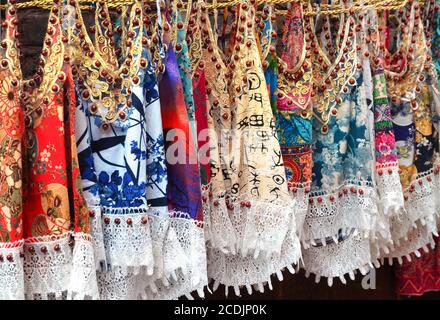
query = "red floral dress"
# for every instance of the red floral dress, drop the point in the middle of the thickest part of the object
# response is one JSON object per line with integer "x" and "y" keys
{"x": 11, "y": 132}
{"x": 57, "y": 257}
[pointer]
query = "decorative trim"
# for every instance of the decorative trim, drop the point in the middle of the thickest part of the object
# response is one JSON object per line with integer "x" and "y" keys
{"x": 352, "y": 206}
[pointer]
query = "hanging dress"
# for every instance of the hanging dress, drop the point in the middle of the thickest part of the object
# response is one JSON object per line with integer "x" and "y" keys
{"x": 343, "y": 207}
{"x": 254, "y": 169}
{"x": 409, "y": 74}
{"x": 11, "y": 164}
{"x": 58, "y": 250}
{"x": 184, "y": 186}
{"x": 421, "y": 273}
{"x": 294, "y": 109}
{"x": 121, "y": 152}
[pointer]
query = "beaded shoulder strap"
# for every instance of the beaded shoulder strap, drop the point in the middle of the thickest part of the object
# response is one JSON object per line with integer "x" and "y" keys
{"x": 39, "y": 91}
{"x": 104, "y": 35}
{"x": 295, "y": 67}
{"x": 332, "y": 79}
{"x": 216, "y": 72}
{"x": 107, "y": 88}
{"x": 9, "y": 46}
{"x": 403, "y": 83}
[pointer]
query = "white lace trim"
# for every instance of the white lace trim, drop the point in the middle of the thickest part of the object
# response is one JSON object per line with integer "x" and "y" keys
{"x": 419, "y": 238}
{"x": 56, "y": 267}
{"x": 353, "y": 206}
{"x": 391, "y": 201}
{"x": 422, "y": 203}
{"x": 190, "y": 235}
{"x": 300, "y": 194}
{"x": 336, "y": 260}
{"x": 245, "y": 225}
{"x": 248, "y": 272}
{"x": 180, "y": 264}
{"x": 11, "y": 271}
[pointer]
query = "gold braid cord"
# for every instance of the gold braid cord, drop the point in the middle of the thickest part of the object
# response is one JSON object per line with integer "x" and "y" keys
{"x": 321, "y": 9}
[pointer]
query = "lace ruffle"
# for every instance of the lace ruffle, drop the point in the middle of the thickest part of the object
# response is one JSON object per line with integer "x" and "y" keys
{"x": 11, "y": 271}
{"x": 419, "y": 238}
{"x": 422, "y": 203}
{"x": 390, "y": 190}
{"x": 183, "y": 270}
{"x": 247, "y": 226}
{"x": 353, "y": 206}
{"x": 237, "y": 271}
{"x": 336, "y": 260}
{"x": 56, "y": 266}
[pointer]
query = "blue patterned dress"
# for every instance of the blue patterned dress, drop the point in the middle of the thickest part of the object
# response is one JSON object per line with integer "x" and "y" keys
{"x": 123, "y": 170}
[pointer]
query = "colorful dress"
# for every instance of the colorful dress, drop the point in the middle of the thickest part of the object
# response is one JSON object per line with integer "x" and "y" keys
{"x": 413, "y": 104}
{"x": 184, "y": 186}
{"x": 58, "y": 251}
{"x": 256, "y": 198}
{"x": 11, "y": 164}
{"x": 343, "y": 203}
{"x": 294, "y": 109}
{"x": 121, "y": 151}
{"x": 420, "y": 272}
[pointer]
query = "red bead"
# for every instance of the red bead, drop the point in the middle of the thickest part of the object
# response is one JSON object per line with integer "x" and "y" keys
{"x": 420, "y": 182}
{"x": 9, "y": 257}
{"x": 57, "y": 247}
{"x": 106, "y": 220}
{"x": 248, "y": 204}
{"x": 390, "y": 171}
{"x": 55, "y": 88}
{"x": 311, "y": 201}
{"x": 429, "y": 178}
{"x": 4, "y": 63}
{"x": 380, "y": 172}
{"x": 319, "y": 200}
{"x": 31, "y": 249}
{"x": 353, "y": 190}
{"x": 345, "y": 190}
{"x": 243, "y": 204}
{"x": 360, "y": 191}
{"x": 105, "y": 126}
{"x": 225, "y": 116}
{"x": 215, "y": 203}
{"x": 43, "y": 249}
{"x": 331, "y": 198}
{"x": 129, "y": 221}
{"x": 85, "y": 94}
{"x": 144, "y": 220}
{"x": 117, "y": 221}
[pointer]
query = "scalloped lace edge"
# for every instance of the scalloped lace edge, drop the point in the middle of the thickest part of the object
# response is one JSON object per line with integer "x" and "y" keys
{"x": 245, "y": 225}
{"x": 352, "y": 206}
{"x": 188, "y": 271}
{"x": 251, "y": 273}
{"x": 336, "y": 260}
{"x": 49, "y": 268}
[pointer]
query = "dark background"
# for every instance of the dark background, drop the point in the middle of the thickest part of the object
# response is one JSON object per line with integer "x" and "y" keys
{"x": 32, "y": 27}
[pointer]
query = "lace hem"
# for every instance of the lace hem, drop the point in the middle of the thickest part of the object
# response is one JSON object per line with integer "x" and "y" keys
{"x": 11, "y": 271}
{"x": 419, "y": 238}
{"x": 391, "y": 200}
{"x": 336, "y": 260}
{"x": 59, "y": 267}
{"x": 422, "y": 204}
{"x": 245, "y": 225}
{"x": 248, "y": 272}
{"x": 353, "y": 206}
{"x": 184, "y": 269}
{"x": 190, "y": 235}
